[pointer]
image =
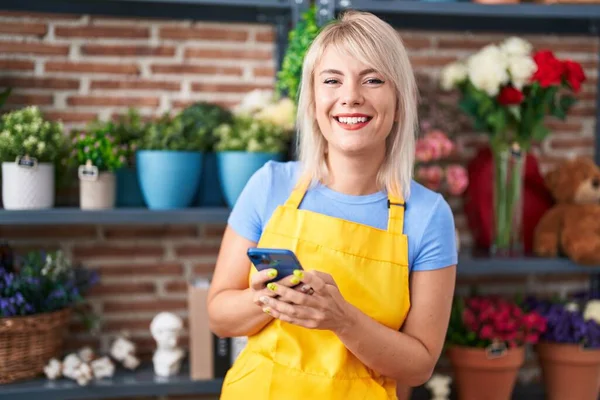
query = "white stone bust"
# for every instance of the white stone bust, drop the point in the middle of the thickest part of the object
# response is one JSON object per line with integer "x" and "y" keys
{"x": 166, "y": 328}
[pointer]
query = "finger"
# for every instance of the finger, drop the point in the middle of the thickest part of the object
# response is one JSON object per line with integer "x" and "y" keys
{"x": 292, "y": 280}
{"x": 260, "y": 278}
{"x": 262, "y": 293}
{"x": 328, "y": 279}
{"x": 314, "y": 281}
{"x": 306, "y": 322}
{"x": 291, "y": 295}
{"x": 282, "y": 308}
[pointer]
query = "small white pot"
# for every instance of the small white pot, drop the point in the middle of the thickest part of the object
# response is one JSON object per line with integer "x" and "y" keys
{"x": 27, "y": 188}
{"x": 99, "y": 194}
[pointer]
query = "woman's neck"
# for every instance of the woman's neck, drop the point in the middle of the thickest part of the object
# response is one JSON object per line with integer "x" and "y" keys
{"x": 354, "y": 175}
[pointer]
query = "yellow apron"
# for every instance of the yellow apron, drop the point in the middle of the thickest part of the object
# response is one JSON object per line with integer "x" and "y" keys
{"x": 370, "y": 266}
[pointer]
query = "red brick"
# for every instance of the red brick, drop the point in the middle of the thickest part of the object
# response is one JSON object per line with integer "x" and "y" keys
{"x": 38, "y": 15}
{"x": 463, "y": 43}
{"x": 39, "y": 83}
{"x": 228, "y": 87}
{"x": 95, "y": 32}
{"x": 212, "y": 54}
{"x": 564, "y": 126}
{"x": 136, "y": 85}
{"x": 29, "y": 99}
{"x": 110, "y": 251}
{"x": 95, "y": 101}
{"x": 196, "y": 69}
{"x": 214, "y": 231}
{"x": 49, "y": 232}
{"x": 75, "y": 343}
{"x": 201, "y": 249}
{"x": 265, "y": 36}
{"x": 70, "y": 116}
{"x": 564, "y": 45}
{"x": 416, "y": 43}
{"x": 24, "y": 28}
{"x": 221, "y": 34}
{"x": 116, "y": 306}
{"x": 176, "y": 287}
{"x": 172, "y": 268}
{"x": 180, "y": 104}
{"x": 34, "y": 48}
{"x": 127, "y": 324}
{"x": 431, "y": 61}
{"x": 130, "y": 50}
{"x": 83, "y": 67}
{"x": 18, "y": 65}
{"x": 150, "y": 232}
{"x": 563, "y": 144}
{"x": 263, "y": 72}
{"x": 582, "y": 111}
{"x": 103, "y": 289}
{"x": 204, "y": 269}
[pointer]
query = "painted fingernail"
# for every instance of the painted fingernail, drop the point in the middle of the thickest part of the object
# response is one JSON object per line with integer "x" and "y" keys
{"x": 264, "y": 299}
{"x": 272, "y": 286}
{"x": 299, "y": 274}
{"x": 305, "y": 288}
{"x": 294, "y": 280}
{"x": 272, "y": 273}
{"x": 267, "y": 310}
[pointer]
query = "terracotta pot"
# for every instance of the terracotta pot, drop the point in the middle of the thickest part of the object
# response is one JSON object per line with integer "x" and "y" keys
{"x": 478, "y": 376}
{"x": 569, "y": 371}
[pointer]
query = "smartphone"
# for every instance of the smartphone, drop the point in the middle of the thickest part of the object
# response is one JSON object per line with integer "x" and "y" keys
{"x": 283, "y": 260}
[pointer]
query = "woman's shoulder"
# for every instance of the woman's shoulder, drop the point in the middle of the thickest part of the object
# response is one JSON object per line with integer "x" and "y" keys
{"x": 422, "y": 196}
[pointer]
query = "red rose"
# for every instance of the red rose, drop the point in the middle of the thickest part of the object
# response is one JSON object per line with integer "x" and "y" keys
{"x": 550, "y": 70}
{"x": 487, "y": 332}
{"x": 574, "y": 74}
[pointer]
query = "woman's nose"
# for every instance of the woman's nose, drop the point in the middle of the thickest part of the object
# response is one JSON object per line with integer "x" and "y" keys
{"x": 351, "y": 95}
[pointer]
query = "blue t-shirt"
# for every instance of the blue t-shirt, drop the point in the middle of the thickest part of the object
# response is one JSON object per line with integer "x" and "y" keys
{"x": 428, "y": 219}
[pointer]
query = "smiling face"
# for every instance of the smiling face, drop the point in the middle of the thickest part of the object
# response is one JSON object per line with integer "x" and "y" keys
{"x": 355, "y": 106}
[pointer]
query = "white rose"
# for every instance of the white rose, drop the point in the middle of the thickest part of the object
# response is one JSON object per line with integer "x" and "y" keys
{"x": 592, "y": 311}
{"x": 515, "y": 46}
{"x": 452, "y": 74}
{"x": 254, "y": 101}
{"x": 521, "y": 68}
{"x": 487, "y": 70}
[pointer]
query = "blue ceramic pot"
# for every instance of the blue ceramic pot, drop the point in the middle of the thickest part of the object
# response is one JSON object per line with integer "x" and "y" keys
{"x": 236, "y": 168}
{"x": 210, "y": 193}
{"x": 169, "y": 179}
{"x": 129, "y": 193}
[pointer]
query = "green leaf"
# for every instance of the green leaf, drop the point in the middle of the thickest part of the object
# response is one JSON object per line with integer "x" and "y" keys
{"x": 539, "y": 132}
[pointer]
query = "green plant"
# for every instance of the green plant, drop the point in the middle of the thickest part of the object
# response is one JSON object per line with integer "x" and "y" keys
{"x": 200, "y": 121}
{"x": 247, "y": 133}
{"x": 170, "y": 133}
{"x": 98, "y": 146}
{"x": 25, "y": 132}
{"x": 299, "y": 40}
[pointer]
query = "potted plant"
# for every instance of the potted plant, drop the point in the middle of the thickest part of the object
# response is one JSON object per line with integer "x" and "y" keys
{"x": 260, "y": 131}
{"x": 98, "y": 156}
{"x": 202, "y": 118}
{"x": 485, "y": 345}
{"x": 32, "y": 151}
{"x": 569, "y": 350}
{"x": 39, "y": 292}
{"x": 508, "y": 90}
{"x": 169, "y": 163}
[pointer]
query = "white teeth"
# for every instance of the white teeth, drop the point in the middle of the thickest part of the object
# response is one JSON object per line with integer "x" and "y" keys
{"x": 352, "y": 120}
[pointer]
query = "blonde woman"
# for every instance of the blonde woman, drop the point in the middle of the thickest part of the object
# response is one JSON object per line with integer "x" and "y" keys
{"x": 378, "y": 249}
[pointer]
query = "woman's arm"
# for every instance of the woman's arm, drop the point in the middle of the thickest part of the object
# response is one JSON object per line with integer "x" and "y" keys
{"x": 408, "y": 356}
{"x": 231, "y": 310}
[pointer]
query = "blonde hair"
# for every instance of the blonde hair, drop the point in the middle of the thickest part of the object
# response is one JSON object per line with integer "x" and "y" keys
{"x": 375, "y": 43}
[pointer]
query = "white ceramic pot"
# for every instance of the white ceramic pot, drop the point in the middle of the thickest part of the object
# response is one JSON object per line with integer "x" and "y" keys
{"x": 27, "y": 188}
{"x": 98, "y": 194}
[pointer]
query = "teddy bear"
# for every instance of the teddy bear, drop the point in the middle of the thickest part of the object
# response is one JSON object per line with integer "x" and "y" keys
{"x": 571, "y": 227}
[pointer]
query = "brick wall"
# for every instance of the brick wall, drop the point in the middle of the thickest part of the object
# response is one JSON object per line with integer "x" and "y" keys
{"x": 78, "y": 67}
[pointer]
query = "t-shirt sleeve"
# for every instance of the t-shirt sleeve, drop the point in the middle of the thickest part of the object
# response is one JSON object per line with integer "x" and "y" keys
{"x": 246, "y": 217}
{"x": 437, "y": 248}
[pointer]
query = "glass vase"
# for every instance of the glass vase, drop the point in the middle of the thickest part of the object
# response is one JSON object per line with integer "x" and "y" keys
{"x": 507, "y": 232}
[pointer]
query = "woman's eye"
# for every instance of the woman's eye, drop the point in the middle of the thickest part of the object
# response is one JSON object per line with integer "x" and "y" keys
{"x": 375, "y": 81}
{"x": 330, "y": 81}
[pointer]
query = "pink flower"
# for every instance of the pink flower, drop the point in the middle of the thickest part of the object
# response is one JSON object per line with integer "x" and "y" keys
{"x": 440, "y": 142}
{"x": 424, "y": 150}
{"x": 457, "y": 179}
{"x": 430, "y": 176}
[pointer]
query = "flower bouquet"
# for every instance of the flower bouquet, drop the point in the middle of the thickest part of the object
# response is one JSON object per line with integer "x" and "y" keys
{"x": 569, "y": 350}
{"x": 32, "y": 152}
{"x": 38, "y": 293}
{"x": 485, "y": 344}
{"x": 508, "y": 90}
{"x": 98, "y": 156}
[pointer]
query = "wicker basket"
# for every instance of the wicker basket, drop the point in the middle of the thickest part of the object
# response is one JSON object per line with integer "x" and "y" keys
{"x": 28, "y": 343}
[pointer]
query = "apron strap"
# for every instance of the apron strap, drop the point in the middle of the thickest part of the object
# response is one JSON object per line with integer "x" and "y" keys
{"x": 298, "y": 192}
{"x": 396, "y": 207}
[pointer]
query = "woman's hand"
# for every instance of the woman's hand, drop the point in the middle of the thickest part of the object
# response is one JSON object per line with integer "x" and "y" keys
{"x": 325, "y": 308}
{"x": 259, "y": 281}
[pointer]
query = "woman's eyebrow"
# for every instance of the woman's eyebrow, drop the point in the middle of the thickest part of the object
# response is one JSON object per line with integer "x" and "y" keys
{"x": 338, "y": 72}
